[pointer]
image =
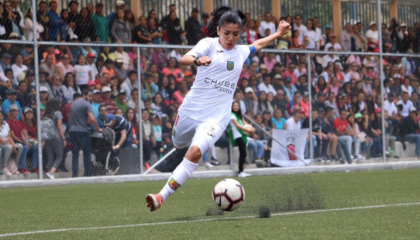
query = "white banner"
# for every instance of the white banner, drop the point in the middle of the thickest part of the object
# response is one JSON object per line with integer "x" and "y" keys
{"x": 294, "y": 140}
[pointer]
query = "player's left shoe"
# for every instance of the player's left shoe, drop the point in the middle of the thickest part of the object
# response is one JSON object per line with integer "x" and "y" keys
{"x": 154, "y": 201}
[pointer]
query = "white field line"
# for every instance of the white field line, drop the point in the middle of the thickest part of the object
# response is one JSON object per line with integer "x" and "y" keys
{"x": 203, "y": 220}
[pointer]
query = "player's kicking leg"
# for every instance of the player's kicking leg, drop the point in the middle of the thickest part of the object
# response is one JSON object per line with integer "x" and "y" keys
{"x": 205, "y": 135}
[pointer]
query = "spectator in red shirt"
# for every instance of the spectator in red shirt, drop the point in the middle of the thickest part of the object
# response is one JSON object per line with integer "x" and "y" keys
{"x": 16, "y": 128}
{"x": 180, "y": 94}
{"x": 305, "y": 104}
{"x": 343, "y": 132}
{"x": 290, "y": 73}
{"x": 29, "y": 137}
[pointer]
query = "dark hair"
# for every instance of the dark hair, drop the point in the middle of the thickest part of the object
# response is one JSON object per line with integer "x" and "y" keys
{"x": 134, "y": 118}
{"x": 76, "y": 87}
{"x": 176, "y": 62}
{"x": 239, "y": 113}
{"x": 52, "y": 107}
{"x": 132, "y": 72}
{"x": 222, "y": 15}
{"x": 76, "y": 95}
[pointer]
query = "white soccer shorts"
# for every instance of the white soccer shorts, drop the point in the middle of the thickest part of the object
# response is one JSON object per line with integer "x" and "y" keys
{"x": 187, "y": 131}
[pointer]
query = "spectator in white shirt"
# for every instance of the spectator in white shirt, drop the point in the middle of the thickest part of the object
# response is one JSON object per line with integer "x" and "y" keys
{"x": 298, "y": 26}
{"x": 406, "y": 103}
{"x": 91, "y": 63}
{"x": 334, "y": 43}
{"x": 311, "y": 38}
{"x": 293, "y": 123}
{"x": 329, "y": 57}
{"x": 18, "y": 67}
{"x": 266, "y": 86}
{"x": 372, "y": 36}
{"x": 267, "y": 24}
{"x": 318, "y": 31}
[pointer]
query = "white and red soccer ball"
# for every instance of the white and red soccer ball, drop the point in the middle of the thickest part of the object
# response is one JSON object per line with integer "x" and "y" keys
{"x": 228, "y": 194}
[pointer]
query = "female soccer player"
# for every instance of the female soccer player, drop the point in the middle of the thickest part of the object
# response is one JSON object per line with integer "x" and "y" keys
{"x": 206, "y": 110}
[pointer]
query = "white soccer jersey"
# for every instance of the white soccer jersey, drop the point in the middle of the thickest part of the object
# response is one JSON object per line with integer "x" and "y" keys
{"x": 210, "y": 98}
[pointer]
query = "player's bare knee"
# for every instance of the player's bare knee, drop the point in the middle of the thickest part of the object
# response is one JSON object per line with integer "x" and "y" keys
{"x": 193, "y": 154}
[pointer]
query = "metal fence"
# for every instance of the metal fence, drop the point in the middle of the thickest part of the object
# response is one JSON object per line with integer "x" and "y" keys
{"x": 255, "y": 8}
{"x": 47, "y": 84}
{"x": 364, "y": 12}
{"x": 408, "y": 14}
{"x": 309, "y": 9}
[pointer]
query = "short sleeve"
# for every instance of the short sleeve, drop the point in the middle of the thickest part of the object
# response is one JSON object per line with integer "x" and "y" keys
{"x": 58, "y": 115}
{"x": 232, "y": 117}
{"x": 201, "y": 49}
{"x": 89, "y": 107}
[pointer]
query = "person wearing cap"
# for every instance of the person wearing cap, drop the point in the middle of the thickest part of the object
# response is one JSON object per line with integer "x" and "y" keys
{"x": 250, "y": 99}
{"x": 101, "y": 23}
{"x": 120, "y": 72}
{"x": 120, "y": 5}
{"x": 289, "y": 89}
{"x": 96, "y": 102}
{"x": 129, "y": 84}
{"x": 334, "y": 43}
{"x": 29, "y": 136}
{"x": 122, "y": 129}
{"x": 80, "y": 113}
{"x": 409, "y": 129}
{"x": 108, "y": 101}
{"x": 121, "y": 102}
{"x": 11, "y": 100}
{"x": 372, "y": 37}
{"x": 266, "y": 86}
{"x": 6, "y": 60}
{"x": 193, "y": 28}
{"x": 326, "y": 38}
{"x": 90, "y": 61}
{"x": 16, "y": 128}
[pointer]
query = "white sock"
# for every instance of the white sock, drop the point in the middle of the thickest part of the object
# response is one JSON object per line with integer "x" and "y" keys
{"x": 178, "y": 178}
{"x": 213, "y": 151}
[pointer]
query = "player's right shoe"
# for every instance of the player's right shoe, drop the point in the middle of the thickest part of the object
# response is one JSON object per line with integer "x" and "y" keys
{"x": 154, "y": 201}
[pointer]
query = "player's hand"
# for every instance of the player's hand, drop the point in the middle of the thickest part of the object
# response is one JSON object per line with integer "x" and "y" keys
{"x": 284, "y": 28}
{"x": 204, "y": 61}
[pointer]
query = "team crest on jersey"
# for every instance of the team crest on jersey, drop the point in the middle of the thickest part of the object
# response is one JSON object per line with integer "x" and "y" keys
{"x": 173, "y": 184}
{"x": 173, "y": 132}
{"x": 230, "y": 65}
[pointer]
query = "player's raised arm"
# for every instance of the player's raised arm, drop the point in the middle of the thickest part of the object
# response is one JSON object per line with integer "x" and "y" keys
{"x": 284, "y": 28}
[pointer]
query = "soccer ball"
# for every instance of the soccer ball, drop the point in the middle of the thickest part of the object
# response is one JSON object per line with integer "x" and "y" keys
{"x": 247, "y": 126}
{"x": 228, "y": 194}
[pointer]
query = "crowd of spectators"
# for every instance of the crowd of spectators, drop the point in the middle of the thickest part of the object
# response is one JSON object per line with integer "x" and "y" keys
{"x": 273, "y": 89}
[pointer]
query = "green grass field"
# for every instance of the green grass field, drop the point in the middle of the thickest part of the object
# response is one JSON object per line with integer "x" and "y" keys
{"x": 91, "y": 206}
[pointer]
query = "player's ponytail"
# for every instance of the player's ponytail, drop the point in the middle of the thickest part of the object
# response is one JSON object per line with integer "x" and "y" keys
{"x": 222, "y": 15}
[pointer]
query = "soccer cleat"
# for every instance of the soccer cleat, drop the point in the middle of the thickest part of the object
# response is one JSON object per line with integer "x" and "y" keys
{"x": 6, "y": 171}
{"x": 154, "y": 201}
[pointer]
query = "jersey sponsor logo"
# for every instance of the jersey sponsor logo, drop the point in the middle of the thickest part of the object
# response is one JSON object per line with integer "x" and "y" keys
{"x": 230, "y": 65}
{"x": 219, "y": 51}
{"x": 221, "y": 86}
{"x": 173, "y": 132}
{"x": 173, "y": 184}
